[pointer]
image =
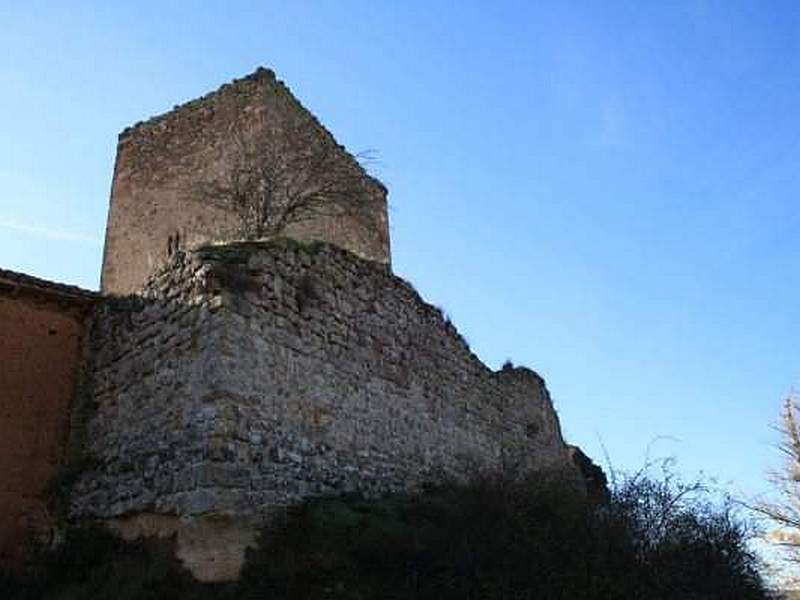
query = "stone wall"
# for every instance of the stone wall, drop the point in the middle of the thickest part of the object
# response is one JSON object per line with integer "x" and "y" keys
{"x": 40, "y": 350}
{"x": 250, "y": 376}
{"x": 160, "y": 163}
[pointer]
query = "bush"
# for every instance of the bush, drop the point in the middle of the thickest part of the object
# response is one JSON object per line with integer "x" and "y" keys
{"x": 493, "y": 539}
{"x": 655, "y": 539}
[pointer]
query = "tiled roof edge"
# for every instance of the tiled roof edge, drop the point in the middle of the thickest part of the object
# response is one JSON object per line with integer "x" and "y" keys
{"x": 20, "y": 281}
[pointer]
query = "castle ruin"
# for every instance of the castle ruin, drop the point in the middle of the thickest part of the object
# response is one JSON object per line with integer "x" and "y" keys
{"x": 161, "y": 163}
{"x": 215, "y": 380}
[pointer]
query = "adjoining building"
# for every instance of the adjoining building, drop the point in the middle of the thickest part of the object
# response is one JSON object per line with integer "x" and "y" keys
{"x": 42, "y": 328}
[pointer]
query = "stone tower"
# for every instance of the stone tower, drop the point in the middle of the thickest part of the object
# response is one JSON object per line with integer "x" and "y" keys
{"x": 154, "y": 205}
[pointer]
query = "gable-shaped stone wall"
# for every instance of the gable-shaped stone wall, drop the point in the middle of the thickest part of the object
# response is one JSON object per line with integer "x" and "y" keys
{"x": 161, "y": 162}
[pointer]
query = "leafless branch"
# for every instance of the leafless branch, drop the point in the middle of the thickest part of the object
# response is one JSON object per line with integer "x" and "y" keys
{"x": 783, "y": 512}
{"x": 279, "y": 176}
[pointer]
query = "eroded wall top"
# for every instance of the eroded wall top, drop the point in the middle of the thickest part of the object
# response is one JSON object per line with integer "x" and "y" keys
{"x": 156, "y": 201}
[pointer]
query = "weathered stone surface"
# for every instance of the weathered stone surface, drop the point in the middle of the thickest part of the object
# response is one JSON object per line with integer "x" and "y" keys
{"x": 247, "y": 377}
{"x": 593, "y": 475}
{"x": 160, "y": 163}
{"x": 211, "y": 547}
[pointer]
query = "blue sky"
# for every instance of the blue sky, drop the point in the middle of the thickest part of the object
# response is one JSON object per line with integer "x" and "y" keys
{"x": 603, "y": 191}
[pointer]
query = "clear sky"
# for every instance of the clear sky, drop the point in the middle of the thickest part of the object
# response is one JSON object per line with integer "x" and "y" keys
{"x": 606, "y": 192}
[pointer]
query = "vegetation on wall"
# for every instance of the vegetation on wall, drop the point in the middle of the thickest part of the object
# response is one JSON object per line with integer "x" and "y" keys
{"x": 285, "y": 174}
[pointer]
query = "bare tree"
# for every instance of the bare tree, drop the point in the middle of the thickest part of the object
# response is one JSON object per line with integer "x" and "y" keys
{"x": 285, "y": 174}
{"x": 784, "y": 511}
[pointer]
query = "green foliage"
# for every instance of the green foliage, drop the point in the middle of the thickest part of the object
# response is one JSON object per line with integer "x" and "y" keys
{"x": 655, "y": 539}
{"x": 493, "y": 539}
